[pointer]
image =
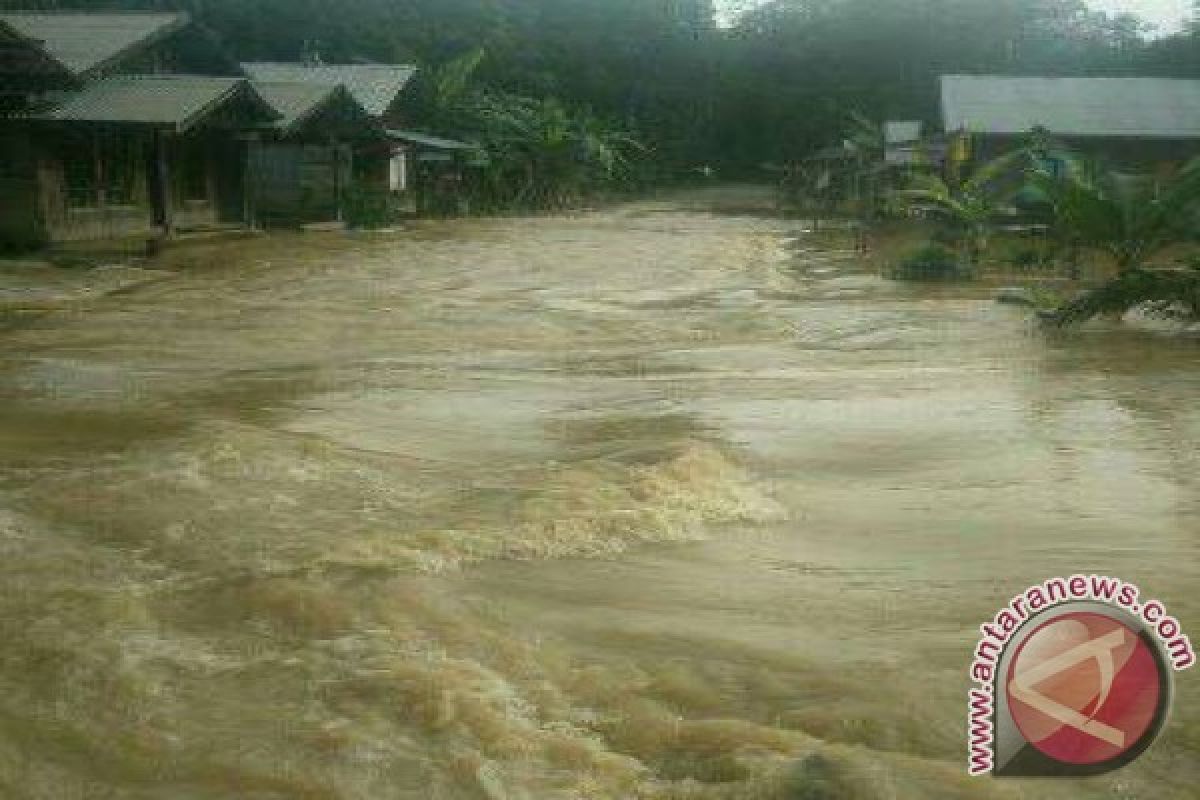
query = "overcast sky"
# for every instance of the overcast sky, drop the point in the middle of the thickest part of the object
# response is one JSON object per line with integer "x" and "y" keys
{"x": 1168, "y": 15}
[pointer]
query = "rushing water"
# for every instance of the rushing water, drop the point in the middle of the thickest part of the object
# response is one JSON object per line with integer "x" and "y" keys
{"x": 658, "y": 502}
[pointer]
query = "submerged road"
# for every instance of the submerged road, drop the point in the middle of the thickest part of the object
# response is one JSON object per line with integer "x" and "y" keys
{"x": 662, "y": 501}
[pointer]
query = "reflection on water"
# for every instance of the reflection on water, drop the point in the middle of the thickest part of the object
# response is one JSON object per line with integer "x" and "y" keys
{"x": 653, "y": 502}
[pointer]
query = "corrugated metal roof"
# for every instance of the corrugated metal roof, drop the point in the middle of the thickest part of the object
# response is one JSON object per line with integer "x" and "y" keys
{"x": 294, "y": 101}
{"x": 1134, "y": 107}
{"x": 22, "y": 56}
{"x": 375, "y": 86}
{"x": 176, "y": 101}
{"x": 85, "y": 41}
{"x": 9, "y": 33}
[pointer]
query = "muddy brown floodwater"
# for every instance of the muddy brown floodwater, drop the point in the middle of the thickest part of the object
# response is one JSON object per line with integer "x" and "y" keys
{"x": 652, "y": 502}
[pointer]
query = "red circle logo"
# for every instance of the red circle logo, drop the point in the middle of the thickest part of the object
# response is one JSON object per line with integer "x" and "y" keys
{"x": 1085, "y": 689}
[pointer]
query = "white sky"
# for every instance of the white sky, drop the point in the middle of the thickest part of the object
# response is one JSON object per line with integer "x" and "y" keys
{"x": 1168, "y": 15}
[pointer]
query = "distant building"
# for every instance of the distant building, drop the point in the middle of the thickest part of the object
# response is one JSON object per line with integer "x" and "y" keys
{"x": 1150, "y": 124}
{"x": 120, "y": 124}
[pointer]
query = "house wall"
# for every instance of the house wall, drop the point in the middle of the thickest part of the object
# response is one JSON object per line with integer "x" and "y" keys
{"x": 1157, "y": 156}
{"x": 21, "y": 224}
{"x": 373, "y": 169}
{"x": 194, "y": 180}
{"x": 299, "y": 182}
{"x": 79, "y": 172}
{"x": 59, "y": 185}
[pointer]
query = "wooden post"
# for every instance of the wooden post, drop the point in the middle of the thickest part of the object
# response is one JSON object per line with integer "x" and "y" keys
{"x": 162, "y": 193}
{"x": 336, "y": 149}
{"x": 251, "y": 169}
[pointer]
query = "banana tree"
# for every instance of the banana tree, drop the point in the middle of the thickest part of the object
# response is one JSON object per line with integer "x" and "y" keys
{"x": 971, "y": 205}
{"x": 866, "y": 140}
{"x": 545, "y": 154}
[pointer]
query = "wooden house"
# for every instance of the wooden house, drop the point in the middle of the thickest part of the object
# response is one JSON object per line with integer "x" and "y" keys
{"x": 302, "y": 171}
{"x": 1143, "y": 124}
{"x": 386, "y": 158}
{"x": 141, "y": 128}
{"x": 379, "y": 163}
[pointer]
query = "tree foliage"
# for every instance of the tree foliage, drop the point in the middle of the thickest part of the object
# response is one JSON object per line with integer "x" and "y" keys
{"x": 971, "y": 205}
{"x": 542, "y": 153}
{"x": 1129, "y": 217}
{"x": 1172, "y": 292}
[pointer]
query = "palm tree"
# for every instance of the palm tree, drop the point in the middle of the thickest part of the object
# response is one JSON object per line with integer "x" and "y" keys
{"x": 1172, "y": 292}
{"x": 1131, "y": 218}
{"x": 972, "y": 205}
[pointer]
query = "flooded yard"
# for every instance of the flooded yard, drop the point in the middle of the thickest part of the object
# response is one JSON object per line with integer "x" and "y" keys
{"x": 660, "y": 501}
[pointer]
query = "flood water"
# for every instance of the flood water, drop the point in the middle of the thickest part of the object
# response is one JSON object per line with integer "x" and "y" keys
{"x": 663, "y": 501}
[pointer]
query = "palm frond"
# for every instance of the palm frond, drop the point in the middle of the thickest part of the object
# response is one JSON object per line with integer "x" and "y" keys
{"x": 1007, "y": 165}
{"x": 1163, "y": 290}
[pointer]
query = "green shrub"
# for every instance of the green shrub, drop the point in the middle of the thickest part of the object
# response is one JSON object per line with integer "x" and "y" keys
{"x": 930, "y": 262}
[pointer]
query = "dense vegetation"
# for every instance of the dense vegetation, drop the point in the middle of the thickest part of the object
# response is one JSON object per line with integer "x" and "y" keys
{"x": 775, "y": 82}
